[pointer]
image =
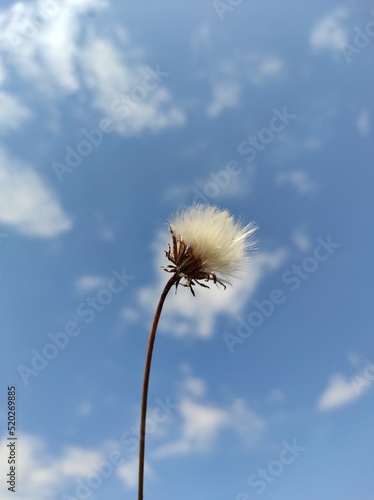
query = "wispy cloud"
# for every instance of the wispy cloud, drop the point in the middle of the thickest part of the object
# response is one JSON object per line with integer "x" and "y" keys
{"x": 2, "y": 72}
{"x": 329, "y": 32}
{"x": 226, "y": 77}
{"x": 201, "y": 38}
{"x": 313, "y": 143}
{"x": 89, "y": 282}
{"x": 275, "y": 396}
{"x": 12, "y": 112}
{"x": 202, "y": 423}
{"x": 84, "y": 409}
{"x": 26, "y": 203}
{"x": 130, "y": 92}
{"x": 196, "y": 426}
{"x": 363, "y": 123}
{"x": 341, "y": 390}
{"x": 298, "y": 179}
{"x": 194, "y": 386}
{"x": 104, "y": 229}
{"x": 226, "y": 94}
{"x": 262, "y": 68}
{"x": 301, "y": 239}
{"x": 256, "y": 67}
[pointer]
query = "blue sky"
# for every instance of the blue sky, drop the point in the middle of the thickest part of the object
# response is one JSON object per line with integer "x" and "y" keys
{"x": 114, "y": 115}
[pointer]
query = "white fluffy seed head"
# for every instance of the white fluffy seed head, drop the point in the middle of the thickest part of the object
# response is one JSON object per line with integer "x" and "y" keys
{"x": 215, "y": 237}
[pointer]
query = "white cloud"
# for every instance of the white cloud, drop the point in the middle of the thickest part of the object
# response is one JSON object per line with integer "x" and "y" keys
{"x": 201, "y": 38}
{"x": 84, "y": 409}
{"x": 44, "y": 54}
{"x": 184, "y": 314}
{"x": 64, "y": 57}
{"x": 12, "y": 112}
{"x": 196, "y": 426}
{"x": 245, "y": 422}
{"x": 106, "y": 234}
{"x": 301, "y": 239}
{"x": 262, "y": 68}
{"x": 354, "y": 359}
{"x": 341, "y": 390}
{"x": 89, "y": 282}
{"x": 313, "y": 143}
{"x": 104, "y": 230}
{"x": 132, "y": 94}
{"x": 26, "y": 202}
{"x": 41, "y": 475}
{"x": 225, "y": 95}
{"x": 202, "y": 424}
{"x": 257, "y": 67}
{"x": 78, "y": 461}
{"x": 363, "y": 123}
{"x": 2, "y": 72}
{"x": 275, "y": 396}
{"x": 225, "y": 77}
{"x": 130, "y": 314}
{"x": 329, "y": 33}
{"x": 195, "y": 386}
{"x": 298, "y": 179}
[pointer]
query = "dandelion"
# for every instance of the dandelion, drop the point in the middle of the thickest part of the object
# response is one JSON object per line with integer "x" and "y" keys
{"x": 208, "y": 244}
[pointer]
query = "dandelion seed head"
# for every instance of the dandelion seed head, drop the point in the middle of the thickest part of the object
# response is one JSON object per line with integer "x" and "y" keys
{"x": 215, "y": 239}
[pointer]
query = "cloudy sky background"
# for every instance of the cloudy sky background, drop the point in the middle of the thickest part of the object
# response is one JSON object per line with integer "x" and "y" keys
{"x": 113, "y": 115}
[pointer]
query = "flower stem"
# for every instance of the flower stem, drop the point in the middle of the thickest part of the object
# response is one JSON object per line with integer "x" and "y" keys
{"x": 147, "y": 371}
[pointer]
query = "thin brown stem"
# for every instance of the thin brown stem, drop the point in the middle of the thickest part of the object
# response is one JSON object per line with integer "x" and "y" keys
{"x": 147, "y": 371}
